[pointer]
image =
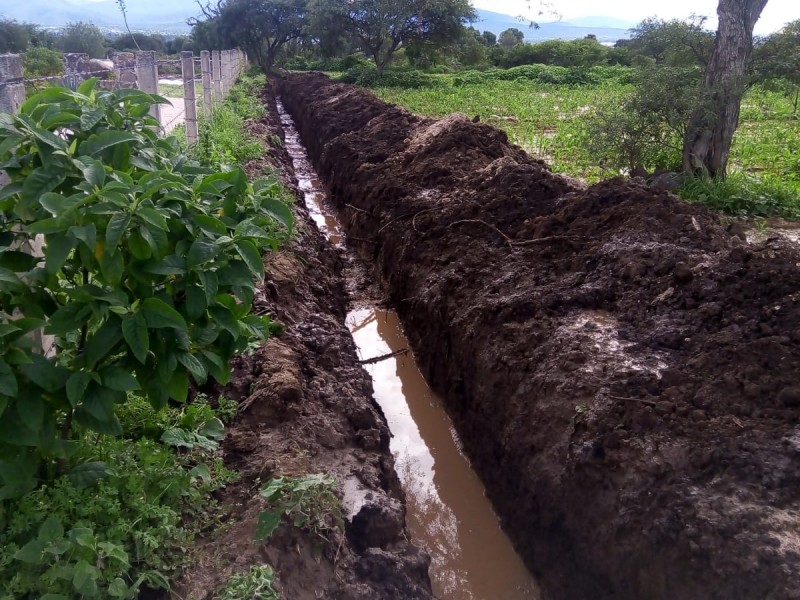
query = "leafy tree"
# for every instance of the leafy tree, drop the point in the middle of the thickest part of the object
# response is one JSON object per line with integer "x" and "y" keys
{"x": 83, "y": 37}
{"x": 140, "y": 41}
{"x": 14, "y": 36}
{"x": 678, "y": 43}
{"x": 489, "y": 38}
{"x": 384, "y": 26}
{"x": 511, "y": 37}
{"x": 777, "y": 61}
{"x": 180, "y": 43}
{"x": 260, "y": 27}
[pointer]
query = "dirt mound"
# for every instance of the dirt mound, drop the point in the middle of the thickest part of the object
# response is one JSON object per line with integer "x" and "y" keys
{"x": 623, "y": 370}
{"x": 306, "y": 407}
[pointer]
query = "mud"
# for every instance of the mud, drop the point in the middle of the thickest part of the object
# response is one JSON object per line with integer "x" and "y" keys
{"x": 306, "y": 407}
{"x": 624, "y": 370}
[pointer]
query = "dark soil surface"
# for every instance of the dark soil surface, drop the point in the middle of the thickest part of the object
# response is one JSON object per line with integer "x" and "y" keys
{"x": 306, "y": 407}
{"x": 624, "y": 369}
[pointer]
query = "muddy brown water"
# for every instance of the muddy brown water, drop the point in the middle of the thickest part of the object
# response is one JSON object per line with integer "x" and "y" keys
{"x": 448, "y": 512}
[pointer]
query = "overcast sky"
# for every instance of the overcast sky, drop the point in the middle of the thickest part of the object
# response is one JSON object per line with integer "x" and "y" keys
{"x": 775, "y": 15}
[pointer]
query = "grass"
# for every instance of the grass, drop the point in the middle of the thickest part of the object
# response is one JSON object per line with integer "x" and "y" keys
{"x": 547, "y": 121}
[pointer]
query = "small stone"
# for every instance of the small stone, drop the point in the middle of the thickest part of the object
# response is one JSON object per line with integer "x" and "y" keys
{"x": 789, "y": 396}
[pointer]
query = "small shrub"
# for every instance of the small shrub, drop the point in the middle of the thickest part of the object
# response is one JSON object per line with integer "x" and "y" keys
{"x": 254, "y": 585}
{"x": 308, "y": 501}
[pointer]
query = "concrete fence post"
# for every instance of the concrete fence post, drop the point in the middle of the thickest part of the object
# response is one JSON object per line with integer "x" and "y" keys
{"x": 73, "y": 69}
{"x": 205, "y": 68}
{"x": 12, "y": 89}
{"x": 216, "y": 75}
{"x": 225, "y": 60}
{"x": 189, "y": 98}
{"x": 147, "y": 77}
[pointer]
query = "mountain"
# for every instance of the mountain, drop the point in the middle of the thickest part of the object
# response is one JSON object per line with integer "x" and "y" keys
{"x": 169, "y": 16}
{"x": 143, "y": 15}
{"x": 555, "y": 30}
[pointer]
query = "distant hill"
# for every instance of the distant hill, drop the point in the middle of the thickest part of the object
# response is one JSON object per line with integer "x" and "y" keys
{"x": 143, "y": 15}
{"x": 556, "y": 30}
{"x": 169, "y": 16}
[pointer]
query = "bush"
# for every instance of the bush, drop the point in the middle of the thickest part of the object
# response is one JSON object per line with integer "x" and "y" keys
{"x": 546, "y": 74}
{"x": 41, "y": 62}
{"x": 367, "y": 76}
{"x": 148, "y": 276}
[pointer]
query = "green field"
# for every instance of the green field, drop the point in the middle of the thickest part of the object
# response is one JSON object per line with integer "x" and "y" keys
{"x": 549, "y": 121}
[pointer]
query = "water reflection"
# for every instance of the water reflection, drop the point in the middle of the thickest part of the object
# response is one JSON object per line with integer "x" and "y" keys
{"x": 448, "y": 512}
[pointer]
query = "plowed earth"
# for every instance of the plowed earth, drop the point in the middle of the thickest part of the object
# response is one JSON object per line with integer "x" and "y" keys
{"x": 306, "y": 407}
{"x": 624, "y": 369}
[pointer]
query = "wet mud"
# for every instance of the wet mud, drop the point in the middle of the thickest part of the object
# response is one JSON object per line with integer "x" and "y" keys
{"x": 622, "y": 367}
{"x": 306, "y": 406}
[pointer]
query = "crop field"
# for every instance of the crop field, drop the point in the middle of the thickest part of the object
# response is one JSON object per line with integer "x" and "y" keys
{"x": 549, "y": 121}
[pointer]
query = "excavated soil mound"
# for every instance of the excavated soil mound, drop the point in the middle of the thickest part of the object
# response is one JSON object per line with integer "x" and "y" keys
{"x": 624, "y": 370}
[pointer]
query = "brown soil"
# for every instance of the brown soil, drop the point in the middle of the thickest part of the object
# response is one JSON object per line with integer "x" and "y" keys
{"x": 306, "y": 407}
{"x": 624, "y": 371}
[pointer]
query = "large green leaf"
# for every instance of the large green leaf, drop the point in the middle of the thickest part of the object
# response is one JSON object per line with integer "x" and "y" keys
{"x": 8, "y": 381}
{"x": 103, "y": 341}
{"x": 199, "y": 253}
{"x": 159, "y": 314}
{"x": 38, "y": 182}
{"x": 57, "y": 251}
{"x": 116, "y": 229}
{"x": 251, "y": 256}
{"x": 97, "y": 143}
{"x": 134, "y": 328}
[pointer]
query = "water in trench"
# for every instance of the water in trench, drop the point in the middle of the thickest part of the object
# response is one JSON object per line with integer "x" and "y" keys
{"x": 448, "y": 512}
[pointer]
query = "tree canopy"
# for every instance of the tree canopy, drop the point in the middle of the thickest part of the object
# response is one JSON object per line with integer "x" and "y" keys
{"x": 384, "y": 26}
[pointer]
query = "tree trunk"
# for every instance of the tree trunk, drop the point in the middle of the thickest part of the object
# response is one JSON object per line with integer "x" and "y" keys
{"x": 709, "y": 135}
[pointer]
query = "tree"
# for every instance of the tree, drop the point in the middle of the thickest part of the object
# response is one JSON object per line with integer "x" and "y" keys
{"x": 384, "y": 26}
{"x": 83, "y": 37}
{"x": 260, "y": 27}
{"x": 677, "y": 43}
{"x": 14, "y": 36}
{"x": 489, "y": 38}
{"x": 777, "y": 62}
{"x": 709, "y": 134}
{"x": 510, "y": 38}
{"x": 140, "y": 42}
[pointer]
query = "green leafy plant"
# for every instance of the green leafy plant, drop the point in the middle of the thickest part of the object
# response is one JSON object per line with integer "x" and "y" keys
{"x": 147, "y": 279}
{"x": 112, "y": 532}
{"x": 254, "y": 585}
{"x": 308, "y": 501}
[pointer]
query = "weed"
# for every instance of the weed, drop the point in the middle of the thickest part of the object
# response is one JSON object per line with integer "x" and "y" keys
{"x": 255, "y": 585}
{"x": 309, "y": 502}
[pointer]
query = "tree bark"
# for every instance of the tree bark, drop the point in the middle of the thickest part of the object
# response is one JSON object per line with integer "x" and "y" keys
{"x": 709, "y": 135}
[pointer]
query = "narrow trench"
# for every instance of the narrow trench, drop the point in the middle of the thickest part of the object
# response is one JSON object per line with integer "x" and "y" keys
{"x": 448, "y": 513}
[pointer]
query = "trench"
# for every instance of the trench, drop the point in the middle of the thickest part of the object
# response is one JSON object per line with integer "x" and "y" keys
{"x": 448, "y": 512}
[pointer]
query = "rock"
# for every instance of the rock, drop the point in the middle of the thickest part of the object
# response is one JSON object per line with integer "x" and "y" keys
{"x": 378, "y": 524}
{"x": 668, "y": 181}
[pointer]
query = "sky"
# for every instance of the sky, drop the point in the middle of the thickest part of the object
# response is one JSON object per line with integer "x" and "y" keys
{"x": 775, "y": 15}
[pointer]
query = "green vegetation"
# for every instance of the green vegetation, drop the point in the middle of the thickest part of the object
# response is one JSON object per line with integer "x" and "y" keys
{"x": 254, "y": 585}
{"x": 308, "y": 501}
{"x": 151, "y": 260}
{"x": 223, "y": 139}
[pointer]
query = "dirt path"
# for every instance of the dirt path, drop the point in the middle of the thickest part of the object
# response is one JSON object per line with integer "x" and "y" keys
{"x": 306, "y": 407}
{"x": 623, "y": 370}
